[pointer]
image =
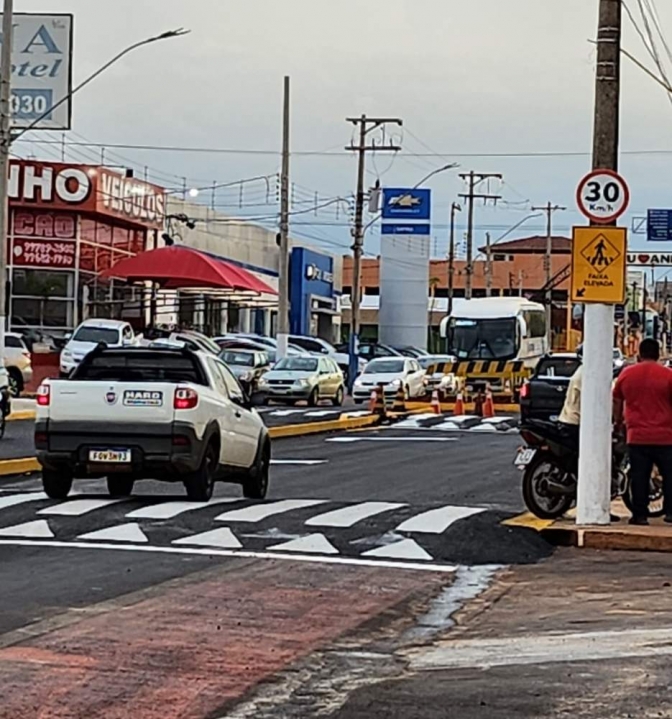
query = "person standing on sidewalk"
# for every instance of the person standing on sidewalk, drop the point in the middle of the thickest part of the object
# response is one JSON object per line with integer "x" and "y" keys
{"x": 646, "y": 391}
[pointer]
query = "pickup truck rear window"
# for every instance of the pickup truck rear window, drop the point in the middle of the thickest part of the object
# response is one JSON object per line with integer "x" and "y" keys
{"x": 557, "y": 367}
{"x": 134, "y": 366}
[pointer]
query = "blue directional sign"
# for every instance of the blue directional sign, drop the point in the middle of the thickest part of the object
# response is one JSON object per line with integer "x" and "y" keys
{"x": 659, "y": 226}
{"x": 401, "y": 228}
{"x": 406, "y": 204}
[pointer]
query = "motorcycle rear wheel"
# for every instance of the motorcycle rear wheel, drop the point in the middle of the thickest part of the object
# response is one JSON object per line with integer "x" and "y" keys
{"x": 543, "y": 504}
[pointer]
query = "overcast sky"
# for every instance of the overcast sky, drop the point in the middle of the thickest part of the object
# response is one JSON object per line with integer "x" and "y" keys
{"x": 466, "y": 78}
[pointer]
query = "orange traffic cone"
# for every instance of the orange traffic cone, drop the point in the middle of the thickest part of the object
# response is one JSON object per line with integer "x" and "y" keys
{"x": 489, "y": 404}
{"x": 436, "y": 402}
{"x": 372, "y": 401}
{"x": 458, "y": 410}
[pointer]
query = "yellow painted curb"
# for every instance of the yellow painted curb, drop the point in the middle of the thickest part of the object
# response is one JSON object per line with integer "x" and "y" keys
{"x": 332, "y": 425}
{"x": 529, "y": 520}
{"x": 19, "y": 466}
{"x": 22, "y": 414}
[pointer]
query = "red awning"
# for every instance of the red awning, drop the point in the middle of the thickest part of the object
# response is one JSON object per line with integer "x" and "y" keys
{"x": 177, "y": 268}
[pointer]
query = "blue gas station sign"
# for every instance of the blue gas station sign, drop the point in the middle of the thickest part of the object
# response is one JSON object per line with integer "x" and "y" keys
{"x": 406, "y": 204}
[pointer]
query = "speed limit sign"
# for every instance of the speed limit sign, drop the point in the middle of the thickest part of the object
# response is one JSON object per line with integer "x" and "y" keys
{"x": 603, "y": 196}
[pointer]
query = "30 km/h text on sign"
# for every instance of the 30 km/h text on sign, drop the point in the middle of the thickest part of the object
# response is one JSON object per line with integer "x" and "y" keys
{"x": 603, "y": 196}
{"x": 599, "y": 264}
{"x": 41, "y": 70}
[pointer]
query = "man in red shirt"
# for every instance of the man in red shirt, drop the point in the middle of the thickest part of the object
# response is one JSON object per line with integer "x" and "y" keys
{"x": 646, "y": 390}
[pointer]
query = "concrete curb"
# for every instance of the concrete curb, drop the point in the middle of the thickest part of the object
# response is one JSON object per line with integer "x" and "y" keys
{"x": 657, "y": 537}
{"x": 25, "y": 465}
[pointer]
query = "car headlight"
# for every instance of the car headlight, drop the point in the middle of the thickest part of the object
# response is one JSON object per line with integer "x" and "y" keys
{"x": 66, "y": 355}
{"x": 263, "y": 382}
{"x": 395, "y": 383}
{"x": 302, "y": 382}
{"x": 358, "y": 383}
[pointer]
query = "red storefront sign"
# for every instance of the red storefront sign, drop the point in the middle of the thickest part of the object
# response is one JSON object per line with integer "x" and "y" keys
{"x": 43, "y": 253}
{"x": 52, "y": 185}
{"x": 44, "y": 224}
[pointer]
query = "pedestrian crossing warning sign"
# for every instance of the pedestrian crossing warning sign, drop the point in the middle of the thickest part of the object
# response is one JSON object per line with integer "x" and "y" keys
{"x": 599, "y": 264}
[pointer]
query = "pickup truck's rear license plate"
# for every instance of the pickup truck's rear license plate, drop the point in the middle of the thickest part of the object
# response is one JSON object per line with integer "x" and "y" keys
{"x": 524, "y": 457}
{"x": 110, "y": 456}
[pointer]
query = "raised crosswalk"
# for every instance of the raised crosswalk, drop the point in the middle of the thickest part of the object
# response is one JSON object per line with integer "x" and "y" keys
{"x": 370, "y": 530}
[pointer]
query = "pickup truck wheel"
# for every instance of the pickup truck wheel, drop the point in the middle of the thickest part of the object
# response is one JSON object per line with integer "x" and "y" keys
{"x": 255, "y": 485}
{"x": 120, "y": 486}
{"x": 201, "y": 484}
{"x": 57, "y": 485}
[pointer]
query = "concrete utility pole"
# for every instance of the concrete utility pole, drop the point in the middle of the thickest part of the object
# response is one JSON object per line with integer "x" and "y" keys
{"x": 488, "y": 266}
{"x": 549, "y": 209}
{"x": 365, "y": 125}
{"x": 594, "y": 491}
{"x": 5, "y": 142}
{"x": 454, "y": 208}
{"x": 474, "y": 179}
{"x": 283, "y": 269}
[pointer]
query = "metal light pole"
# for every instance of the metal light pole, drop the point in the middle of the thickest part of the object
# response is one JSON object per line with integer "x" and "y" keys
{"x": 454, "y": 208}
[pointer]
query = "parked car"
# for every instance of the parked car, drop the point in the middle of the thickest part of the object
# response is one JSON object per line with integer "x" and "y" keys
{"x": 235, "y": 342}
{"x": 248, "y": 366}
{"x": 543, "y": 395}
{"x": 18, "y": 363}
{"x": 133, "y": 413}
{"x": 410, "y": 351}
{"x": 393, "y": 373}
{"x": 195, "y": 341}
{"x": 316, "y": 345}
{"x": 444, "y": 383}
{"x": 89, "y": 334}
{"x": 371, "y": 350}
{"x": 305, "y": 377}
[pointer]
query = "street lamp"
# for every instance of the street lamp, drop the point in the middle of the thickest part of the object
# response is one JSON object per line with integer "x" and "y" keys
{"x": 454, "y": 208}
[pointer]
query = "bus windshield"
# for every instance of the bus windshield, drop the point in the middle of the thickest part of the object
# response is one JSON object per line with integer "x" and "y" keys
{"x": 485, "y": 339}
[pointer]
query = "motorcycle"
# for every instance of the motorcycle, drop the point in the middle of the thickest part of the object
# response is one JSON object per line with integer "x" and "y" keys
{"x": 550, "y": 463}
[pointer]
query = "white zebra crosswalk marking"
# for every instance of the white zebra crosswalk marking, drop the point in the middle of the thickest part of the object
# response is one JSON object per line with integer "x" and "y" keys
{"x": 347, "y": 516}
{"x": 406, "y": 549}
{"x": 168, "y": 510}
{"x": 38, "y": 529}
{"x": 259, "y": 512}
{"x": 436, "y": 521}
{"x": 312, "y": 544}
{"x": 129, "y": 532}
{"x": 78, "y": 507}
{"x": 14, "y": 499}
{"x": 223, "y": 538}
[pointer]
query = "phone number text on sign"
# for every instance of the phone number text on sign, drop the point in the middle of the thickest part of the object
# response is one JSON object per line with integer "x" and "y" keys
{"x": 43, "y": 253}
{"x": 31, "y": 104}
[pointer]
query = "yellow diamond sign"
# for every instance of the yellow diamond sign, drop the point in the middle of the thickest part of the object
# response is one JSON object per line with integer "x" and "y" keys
{"x": 599, "y": 264}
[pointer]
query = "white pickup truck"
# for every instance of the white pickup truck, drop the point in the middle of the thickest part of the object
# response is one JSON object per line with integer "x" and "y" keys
{"x": 132, "y": 413}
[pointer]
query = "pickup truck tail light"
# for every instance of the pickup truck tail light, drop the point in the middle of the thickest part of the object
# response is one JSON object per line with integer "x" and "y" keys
{"x": 43, "y": 395}
{"x": 525, "y": 390}
{"x": 185, "y": 398}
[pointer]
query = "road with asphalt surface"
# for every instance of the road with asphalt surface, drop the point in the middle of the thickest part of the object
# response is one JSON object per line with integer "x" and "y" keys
{"x": 359, "y": 527}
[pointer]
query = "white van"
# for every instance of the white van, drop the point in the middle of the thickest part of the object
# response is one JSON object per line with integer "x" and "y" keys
{"x": 89, "y": 334}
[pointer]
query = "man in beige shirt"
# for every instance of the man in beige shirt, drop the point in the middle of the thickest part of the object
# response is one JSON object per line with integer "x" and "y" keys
{"x": 571, "y": 410}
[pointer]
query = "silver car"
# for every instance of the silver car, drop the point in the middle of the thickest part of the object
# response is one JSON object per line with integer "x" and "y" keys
{"x": 306, "y": 377}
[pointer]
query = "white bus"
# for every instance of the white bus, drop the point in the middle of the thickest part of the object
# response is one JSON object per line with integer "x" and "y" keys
{"x": 496, "y": 329}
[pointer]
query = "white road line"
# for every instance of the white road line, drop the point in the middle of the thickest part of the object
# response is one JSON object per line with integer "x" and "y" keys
{"x": 223, "y": 538}
{"x": 77, "y": 507}
{"x": 312, "y": 544}
{"x": 39, "y": 529}
{"x": 436, "y": 521}
{"x": 306, "y": 462}
{"x": 207, "y": 552}
{"x": 347, "y": 516}
{"x": 129, "y": 532}
{"x": 406, "y": 549}
{"x": 417, "y": 438}
{"x": 259, "y": 512}
{"x": 14, "y": 499}
{"x": 168, "y": 510}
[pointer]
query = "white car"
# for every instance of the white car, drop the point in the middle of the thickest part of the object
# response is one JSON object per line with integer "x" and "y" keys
{"x": 139, "y": 413}
{"x": 393, "y": 373}
{"x": 18, "y": 362}
{"x": 89, "y": 334}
